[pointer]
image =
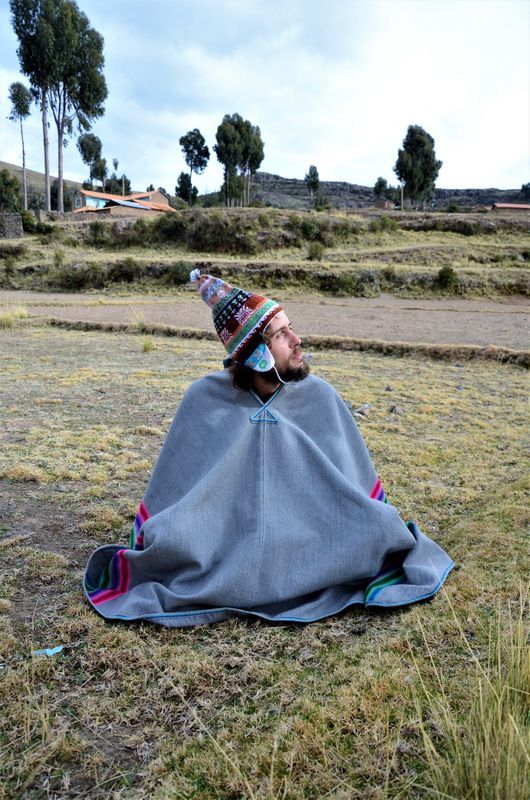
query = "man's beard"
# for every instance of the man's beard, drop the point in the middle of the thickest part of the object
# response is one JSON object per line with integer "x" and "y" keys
{"x": 290, "y": 375}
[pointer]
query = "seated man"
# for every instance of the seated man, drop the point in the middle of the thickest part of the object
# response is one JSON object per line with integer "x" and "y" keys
{"x": 264, "y": 501}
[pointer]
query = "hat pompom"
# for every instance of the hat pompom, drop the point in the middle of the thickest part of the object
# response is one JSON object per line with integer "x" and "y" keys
{"x": 195, "y": 274}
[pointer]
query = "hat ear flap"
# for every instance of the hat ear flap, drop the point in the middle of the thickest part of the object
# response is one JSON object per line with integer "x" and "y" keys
{"x": 261, "y": 360}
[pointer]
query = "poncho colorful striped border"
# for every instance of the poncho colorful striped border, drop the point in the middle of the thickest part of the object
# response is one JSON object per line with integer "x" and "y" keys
{"x": 136, "y": 539}
{"x": 378, "y": 493}
{"x": 115, "y": 579}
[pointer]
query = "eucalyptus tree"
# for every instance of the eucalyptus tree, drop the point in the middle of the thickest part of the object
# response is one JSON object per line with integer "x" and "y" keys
{"x": 36, "y": 56}
{"x": 63, "y": 59}
{"x": 417, "y": 166}
{"x": 229, "y": 151}
{"x": 239, "y": 146}
{"x": 99, "y": 171}
{"x": 196, "y": 154}
{"x": 20, "y": 98}
{"x": 9, "y": 192}
{"x": 381, "y": 187}
{"x": 312, "y": 181}
{"x": 116, "y": 184}
{"x": 252, "y": 154}
{"x": 79, "y": 90}
{"x": 185, "y": 189}
{"x": 89, "y": 146}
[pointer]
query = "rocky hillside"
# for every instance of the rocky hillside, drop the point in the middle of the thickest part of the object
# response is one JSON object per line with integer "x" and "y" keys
{"x": 292, "y": 193}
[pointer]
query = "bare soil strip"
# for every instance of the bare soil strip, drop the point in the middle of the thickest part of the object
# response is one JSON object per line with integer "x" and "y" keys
{"x": 430, "y": 321}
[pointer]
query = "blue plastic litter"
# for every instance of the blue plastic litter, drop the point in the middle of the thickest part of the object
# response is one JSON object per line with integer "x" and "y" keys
{"x": 48, "y": 651}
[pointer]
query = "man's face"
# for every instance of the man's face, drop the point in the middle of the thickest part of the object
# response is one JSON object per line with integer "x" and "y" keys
{"x": 285, "y": 346}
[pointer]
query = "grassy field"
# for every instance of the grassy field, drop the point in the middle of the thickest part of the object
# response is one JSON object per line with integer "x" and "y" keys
{"x": 343, "y": 253}
{"x": 422, "y": 702}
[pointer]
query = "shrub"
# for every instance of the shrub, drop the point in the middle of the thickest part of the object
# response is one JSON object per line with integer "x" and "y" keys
{"x": 218, "y": 231}
{"x": 78, "y": 277}
{"x": 465, "y": 227}
{"x": 125, "y": 271}
{"x": 447, "y": 277}
{"x": 318, "y": 229}
{"x": 99, "y": 233}
{"x": 294, "y": 225}
{"x": 310, "y": 229}
{"x": 321, "y": 203}
{"x": 50, "y": 233}
{"x": 389, "y": 275}
{"x": 12, "y": 251}
{"x": 140, "y": 233}
{"x": 264, "y": 220}
{"x": 339, "y": 284}
{"x": 29, "y": 223}
{"x": 345, "y": 227}
{"x": 315, "y": 251}
{"x": 177, "y": 274}
{"x": 383, "y": 224}
{"x": 9, "y": 266}
{"x": 44, "y": 229}
{"x": 58, "y": 259}
{"x": 166, "y": 228}
{"x": 452, "y": 208}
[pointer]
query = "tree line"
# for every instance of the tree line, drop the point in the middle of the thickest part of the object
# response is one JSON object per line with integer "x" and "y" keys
{"x": 239, "y": 148}
{"x": 62, "y": 57}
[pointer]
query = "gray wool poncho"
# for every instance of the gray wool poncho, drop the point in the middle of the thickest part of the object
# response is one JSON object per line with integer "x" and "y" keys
{"x": 271, "y": 510}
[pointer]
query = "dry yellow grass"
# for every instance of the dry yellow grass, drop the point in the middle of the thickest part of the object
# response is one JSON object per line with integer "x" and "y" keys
{"x": 244, "y": 709}
{"x": 9, "y": 316}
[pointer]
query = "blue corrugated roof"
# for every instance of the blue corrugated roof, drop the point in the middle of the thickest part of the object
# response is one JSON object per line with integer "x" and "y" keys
{"x": 128, "y": 203}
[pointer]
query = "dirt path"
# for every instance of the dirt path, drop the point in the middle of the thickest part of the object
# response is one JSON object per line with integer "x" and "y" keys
{"x": 436, "y": 321}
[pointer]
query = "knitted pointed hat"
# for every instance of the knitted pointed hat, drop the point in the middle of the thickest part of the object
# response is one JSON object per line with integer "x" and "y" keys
{"x": 240, "y": 319}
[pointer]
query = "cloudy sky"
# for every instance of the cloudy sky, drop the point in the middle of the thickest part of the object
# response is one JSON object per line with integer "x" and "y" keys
{"x": 333, "y": 83}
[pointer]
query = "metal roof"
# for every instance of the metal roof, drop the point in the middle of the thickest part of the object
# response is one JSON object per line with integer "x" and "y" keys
{"x": 128, "y": 203}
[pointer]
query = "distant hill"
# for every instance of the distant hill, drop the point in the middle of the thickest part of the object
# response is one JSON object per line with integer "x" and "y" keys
{"x": 292, "y": 193}
{"x": 35, "y": 179}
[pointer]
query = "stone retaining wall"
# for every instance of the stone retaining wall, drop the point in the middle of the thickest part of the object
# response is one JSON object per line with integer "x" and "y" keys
{"x": 56, "y": 216}
{"x": 11, "y": 226}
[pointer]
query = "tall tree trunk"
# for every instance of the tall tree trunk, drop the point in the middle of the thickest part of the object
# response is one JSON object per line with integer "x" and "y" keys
{"x": 24, "y": 180}
{"x": 47, "y": 193}
{"x": 60, "y": 196}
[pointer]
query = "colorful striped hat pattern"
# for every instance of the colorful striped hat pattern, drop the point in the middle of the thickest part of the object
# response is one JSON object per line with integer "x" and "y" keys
{"x": 240, "y": 319}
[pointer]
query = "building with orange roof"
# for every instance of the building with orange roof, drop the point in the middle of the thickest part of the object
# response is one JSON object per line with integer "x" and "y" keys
{"x": 135, "y": 204}
{"x": 510, "y": 207}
